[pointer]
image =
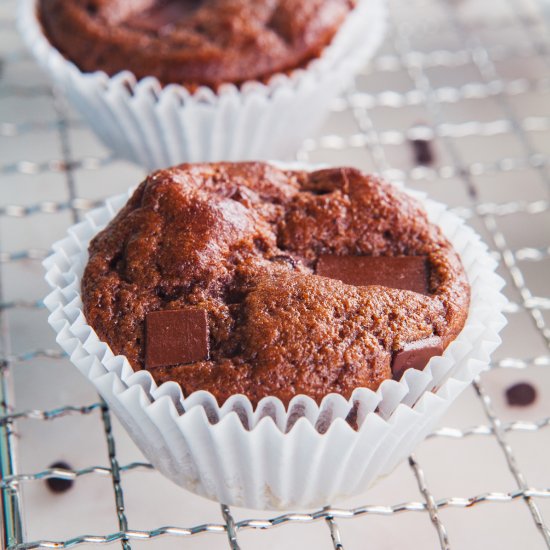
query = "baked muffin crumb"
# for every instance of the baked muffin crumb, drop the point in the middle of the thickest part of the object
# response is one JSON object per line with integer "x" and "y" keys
{"x": 241, "y": 241}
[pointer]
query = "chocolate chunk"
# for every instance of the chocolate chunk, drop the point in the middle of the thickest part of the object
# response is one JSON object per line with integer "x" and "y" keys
{"x": 59, "y": 484}
{"x": 521, "y": 395}
{"x": 415, "y": 355}
{"x": 422, "y": 150}
{"x": 403, "y": 272}
{"x": 175, "y": 337}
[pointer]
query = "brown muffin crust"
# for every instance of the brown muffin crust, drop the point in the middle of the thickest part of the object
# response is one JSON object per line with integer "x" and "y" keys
{"x": 192, "y": 42}
{"x": 241, "y": 241}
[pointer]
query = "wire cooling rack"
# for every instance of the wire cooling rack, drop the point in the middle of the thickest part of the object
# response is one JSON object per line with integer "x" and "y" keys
{"x": 464, "y": 86}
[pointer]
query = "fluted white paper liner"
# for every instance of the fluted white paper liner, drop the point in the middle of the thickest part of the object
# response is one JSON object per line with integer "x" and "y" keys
{"x": 272, "y": 457}
{"x": 158, "y": 126}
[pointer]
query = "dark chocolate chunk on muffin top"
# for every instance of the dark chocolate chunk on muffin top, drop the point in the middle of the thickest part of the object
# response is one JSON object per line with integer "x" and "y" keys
{"x": 242, "y": 242}
{"x": 192, "y": 42}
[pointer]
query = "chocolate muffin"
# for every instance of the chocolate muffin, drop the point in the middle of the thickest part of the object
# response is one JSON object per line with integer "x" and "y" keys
{"x": 192, "y": 42}
{"x": 244, "y": 278}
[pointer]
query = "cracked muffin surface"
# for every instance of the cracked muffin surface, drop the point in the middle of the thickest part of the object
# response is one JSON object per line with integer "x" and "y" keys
{"x": 241, "y": 241}
{"x": 192, "y": 42}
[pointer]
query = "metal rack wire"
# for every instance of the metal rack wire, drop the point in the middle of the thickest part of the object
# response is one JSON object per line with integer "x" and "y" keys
{"x": 470, "y": 46}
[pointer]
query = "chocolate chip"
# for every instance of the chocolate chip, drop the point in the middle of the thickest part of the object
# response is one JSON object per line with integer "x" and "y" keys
{"x": 521, "y": 395}
{"x": 175, "y": 337}
{"x": 351, "y": 418}
{"x": 422, "y": 150}
{"x": 284, "y": 258}
{"x": 415, "y": 355}
{"x": 91, "y": 8}
{"x": 403, "y": 272}
{"x": 59, "y": 484}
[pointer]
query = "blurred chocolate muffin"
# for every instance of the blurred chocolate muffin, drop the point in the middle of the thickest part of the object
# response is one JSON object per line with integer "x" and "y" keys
{"x": 192, "y": 42}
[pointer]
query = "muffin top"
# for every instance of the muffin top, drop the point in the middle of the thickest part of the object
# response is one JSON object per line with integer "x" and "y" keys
{"x": 244, "y": 278}
{"x": 192, "y": 42}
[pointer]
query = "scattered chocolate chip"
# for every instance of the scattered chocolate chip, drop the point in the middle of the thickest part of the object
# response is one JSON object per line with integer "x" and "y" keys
{"x": 284, "y": 258}
{"x": 521, "y": 395}
{"x": 422, "y": 150}
{"x": 415, "y": 355}
{"x": 59, "y": 484}
{"x": 403, "y": 272}
{"x": 175, "y": 337}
